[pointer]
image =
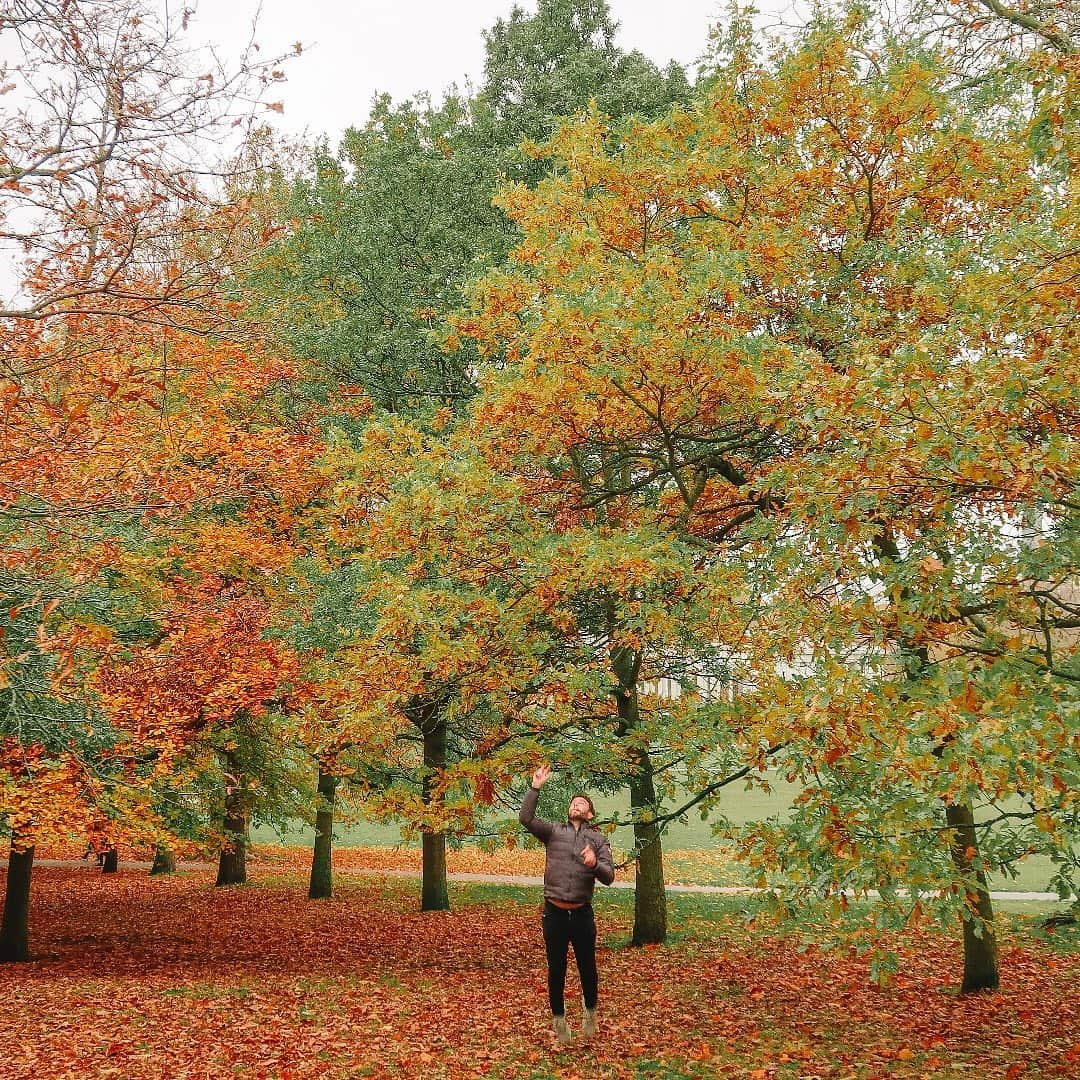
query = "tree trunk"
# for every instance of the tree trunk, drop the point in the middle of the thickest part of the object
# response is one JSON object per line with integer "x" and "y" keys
{"x": 434, "y": 893}
{"x": 980, "y": 941}
{"x": 164, "y": 861}
{"x": 15, "y": 929}
{"x": 321, "y": 887}
{"x": 110, "y": 862}
{"x": 650, "y": 896}
{"x": 232, "y": 864}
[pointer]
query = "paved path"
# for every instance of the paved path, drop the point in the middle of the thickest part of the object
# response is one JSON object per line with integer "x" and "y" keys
{"x": 492, "y": 879}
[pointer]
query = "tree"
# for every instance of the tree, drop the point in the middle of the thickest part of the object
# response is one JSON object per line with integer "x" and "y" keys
{"x": 209, "y": 677}
{"x": 982, "y": 38}
{"x": 41, "y": 794}
{"x": 380, "y": 241}
{"x": 539, "y": 68}
{"x": 442, "y": 642}
{"x": 100, "y": 148}
{"x": 382, "y": 238}
{"x": 378, "y": 244}
{"x": 770, "y": 310}
{"x": 107, "y": 131}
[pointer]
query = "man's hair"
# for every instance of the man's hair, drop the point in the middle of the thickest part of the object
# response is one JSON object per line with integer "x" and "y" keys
{"x": 582, "y": 795}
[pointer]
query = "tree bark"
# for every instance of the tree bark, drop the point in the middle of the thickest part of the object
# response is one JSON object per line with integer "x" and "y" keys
{"x": 15, "y": 928}
{"x": 321, "y": 887}
{"x": 110, "y": 861}
{"x": 164, "y": 861}
{"x": 980, "y": 940}
{"x": 650, "y": 895}
{"x": 434, "y": 893}
{"x": 232, "y": 863}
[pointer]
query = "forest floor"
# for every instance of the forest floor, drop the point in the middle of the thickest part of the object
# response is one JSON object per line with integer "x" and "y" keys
{"x": 707, "y": 869}
{"x": 492, "y": 869}
{"x": 151, "y": 977}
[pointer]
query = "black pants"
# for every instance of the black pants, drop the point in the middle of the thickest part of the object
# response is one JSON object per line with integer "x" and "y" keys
{"x": 561, "y": 930}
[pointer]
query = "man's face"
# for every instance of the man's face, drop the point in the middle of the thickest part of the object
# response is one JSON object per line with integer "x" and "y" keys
{"x": 579, "y": 809}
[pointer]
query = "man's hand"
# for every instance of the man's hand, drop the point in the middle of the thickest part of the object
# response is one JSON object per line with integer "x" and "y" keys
{"x": 588, "y": 856}
{"x": 541, "y": 776}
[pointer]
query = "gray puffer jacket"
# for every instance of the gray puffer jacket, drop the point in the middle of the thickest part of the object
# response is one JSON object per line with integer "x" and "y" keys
{"x": 566, "y": 877}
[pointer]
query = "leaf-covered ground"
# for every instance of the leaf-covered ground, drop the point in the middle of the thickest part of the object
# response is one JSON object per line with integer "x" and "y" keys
{"x": 712, "y": 866}
{"x": 681, "y": 866}
{"x": 138, "y": 977}
{"x": 688, "y": 866}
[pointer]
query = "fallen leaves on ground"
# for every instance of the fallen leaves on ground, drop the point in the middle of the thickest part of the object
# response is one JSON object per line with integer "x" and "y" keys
{"x": 714, "y": 866}
{"x": 136, "y": 977}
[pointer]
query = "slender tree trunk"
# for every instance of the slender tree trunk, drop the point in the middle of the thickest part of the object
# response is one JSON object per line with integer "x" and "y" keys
{"x": 232, "y": 863}
{"x": 650, "y": 895}
{"x": 110, "y": 863}
{"x": 15, "y": 929}
{"x": 434, "y": 893}
{"x": 980, "y": 940}
{"x": 321, "y": 887}
{"x": 164, "y": 861}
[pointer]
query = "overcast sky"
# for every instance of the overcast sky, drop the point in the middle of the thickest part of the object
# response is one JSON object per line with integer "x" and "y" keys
{"x": 353, "y": 49}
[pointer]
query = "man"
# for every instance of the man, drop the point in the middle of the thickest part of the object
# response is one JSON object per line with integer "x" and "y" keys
{"x": 576, "y": 856}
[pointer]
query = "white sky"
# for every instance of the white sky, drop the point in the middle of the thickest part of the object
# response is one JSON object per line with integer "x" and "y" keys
{"x": 353, "y": 50}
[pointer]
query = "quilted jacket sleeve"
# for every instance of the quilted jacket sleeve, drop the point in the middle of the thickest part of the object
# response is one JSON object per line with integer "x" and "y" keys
{"x": 540, "y": 828}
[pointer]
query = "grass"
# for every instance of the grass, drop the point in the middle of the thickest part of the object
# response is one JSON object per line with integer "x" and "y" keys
{"x": 692, "y": 852}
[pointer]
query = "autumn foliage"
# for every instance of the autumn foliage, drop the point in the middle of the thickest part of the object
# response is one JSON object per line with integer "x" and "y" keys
{"x": 776, "y": 326}
{"x": 683, "y": 437}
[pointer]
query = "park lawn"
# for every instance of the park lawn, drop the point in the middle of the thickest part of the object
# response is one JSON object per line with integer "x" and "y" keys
{"x": 693, "y": 855}
{"x": 137, "y": 977}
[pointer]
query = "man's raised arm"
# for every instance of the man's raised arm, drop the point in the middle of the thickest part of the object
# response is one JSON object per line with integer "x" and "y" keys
{"x": 540, "y": 828}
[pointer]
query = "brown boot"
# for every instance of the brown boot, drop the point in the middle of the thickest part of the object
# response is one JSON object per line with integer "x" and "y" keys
{"x": 563, "y": 1034}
